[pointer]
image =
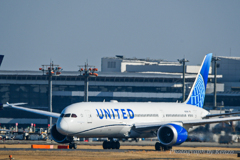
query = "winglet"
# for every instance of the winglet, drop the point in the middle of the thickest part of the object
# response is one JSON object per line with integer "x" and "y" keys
{"x": 197, "y": 93}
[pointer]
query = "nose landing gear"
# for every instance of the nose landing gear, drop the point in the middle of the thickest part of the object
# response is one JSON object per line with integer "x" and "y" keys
{"x": 111, "y": 145}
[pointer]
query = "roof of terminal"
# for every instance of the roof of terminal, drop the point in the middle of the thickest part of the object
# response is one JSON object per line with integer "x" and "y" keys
{"x": 147, "y": 60}
{"x": 108, "y": 74}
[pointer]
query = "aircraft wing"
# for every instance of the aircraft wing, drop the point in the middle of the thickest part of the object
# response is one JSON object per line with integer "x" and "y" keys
{"x": 221, "y": 114}
{"x": 146, "y": 126}
{"x": 15, "y": 104}
{"x": 208, "y": 121}
{"x": 44, "y": 113}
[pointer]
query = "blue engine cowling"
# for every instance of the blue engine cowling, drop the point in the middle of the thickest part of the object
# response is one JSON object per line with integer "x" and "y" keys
{"x": 172, "y": 134}
{"x": 58, "y": 137}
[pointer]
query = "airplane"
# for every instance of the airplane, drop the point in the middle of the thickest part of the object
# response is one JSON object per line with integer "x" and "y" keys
{"x": 169, "y": 122}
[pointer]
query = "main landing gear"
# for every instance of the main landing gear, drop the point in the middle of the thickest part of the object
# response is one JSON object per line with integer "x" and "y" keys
{"x": 161, "y": 147}
{"x": 72, "y": 145}
{"x": 111, "y": 145}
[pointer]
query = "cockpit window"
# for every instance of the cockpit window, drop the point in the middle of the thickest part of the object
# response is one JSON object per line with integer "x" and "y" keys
{"x": 67, "y": 115}
{"x": 74, "y": 115}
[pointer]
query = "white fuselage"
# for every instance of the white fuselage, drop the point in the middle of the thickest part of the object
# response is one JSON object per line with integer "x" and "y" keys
{"x": 97, "y": 119}
{"x": 111, "y": 119}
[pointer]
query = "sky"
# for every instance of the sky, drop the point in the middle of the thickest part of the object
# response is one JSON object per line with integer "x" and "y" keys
{"x": 69, "y": 33}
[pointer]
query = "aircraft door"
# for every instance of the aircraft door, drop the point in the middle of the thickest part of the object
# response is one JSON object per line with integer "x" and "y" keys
{"x": 161, "y": 115}
{"x": 195, "y": 113}
{"x": 89, "y": 116}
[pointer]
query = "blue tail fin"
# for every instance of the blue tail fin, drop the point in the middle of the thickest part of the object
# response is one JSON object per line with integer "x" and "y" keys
{"x": 197, "y": 93}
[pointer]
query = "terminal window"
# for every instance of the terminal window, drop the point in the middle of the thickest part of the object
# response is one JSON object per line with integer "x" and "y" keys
{"x": 111, "y": 64}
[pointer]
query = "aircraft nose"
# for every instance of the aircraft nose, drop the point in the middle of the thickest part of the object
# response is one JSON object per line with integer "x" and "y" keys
{"x": 63, "y": 126}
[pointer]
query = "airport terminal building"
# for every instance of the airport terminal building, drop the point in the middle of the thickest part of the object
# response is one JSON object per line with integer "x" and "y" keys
{"x": 121, "y": 79}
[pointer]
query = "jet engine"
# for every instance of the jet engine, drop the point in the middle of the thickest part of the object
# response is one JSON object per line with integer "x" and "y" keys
{"x": 58, "y": 137}
{"x": 172, "y": 134}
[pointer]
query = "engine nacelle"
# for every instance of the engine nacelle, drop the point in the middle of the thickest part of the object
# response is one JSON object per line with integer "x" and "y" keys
{"x": 58, "y": 137}
{"x": 172, "y": 134}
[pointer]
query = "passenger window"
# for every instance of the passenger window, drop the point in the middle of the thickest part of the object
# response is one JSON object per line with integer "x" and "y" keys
{"x": 62, "y": 115}
{"x": 74, "y": 116}
{"x": 67, "y": 115}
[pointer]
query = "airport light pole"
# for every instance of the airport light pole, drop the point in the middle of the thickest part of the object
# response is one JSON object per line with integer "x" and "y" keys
{"x": 183, "y": 61}
{"x": 87, "y": 72}
{"x": 50, "y": 70}
{"x": 215, "y": 59}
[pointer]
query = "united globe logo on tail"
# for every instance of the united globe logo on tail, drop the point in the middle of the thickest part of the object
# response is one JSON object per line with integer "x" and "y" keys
{"x": 197, "y": 93}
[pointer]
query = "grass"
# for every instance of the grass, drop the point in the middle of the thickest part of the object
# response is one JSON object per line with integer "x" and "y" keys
{"x": 133, "y": 152}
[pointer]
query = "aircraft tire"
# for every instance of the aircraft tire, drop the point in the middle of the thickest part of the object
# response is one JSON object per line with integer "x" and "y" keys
{"x": 166, "y": 148}
{"x": 70, "y": 146}
{"x": 158, "y": 146}
{"x": 113, "y": 145}
{"x": 109, "y": 145}
{"x": 117, "y": 144}
{"x": 74, "y": 146}
{"x": 105, "y": 144}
